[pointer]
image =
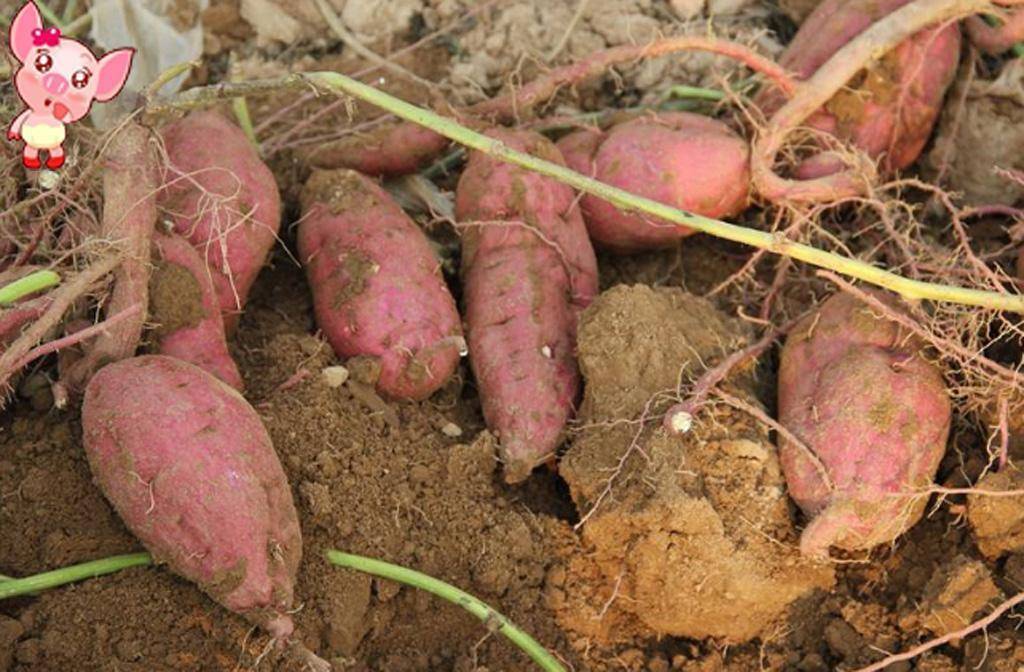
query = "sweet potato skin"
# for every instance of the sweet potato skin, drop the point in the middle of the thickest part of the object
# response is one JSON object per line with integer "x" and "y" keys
{"x": 184, "y": 307}
{"x": 860, "y": 395}
{"x": 891, "y": 111}
{"x": 494, "y": 190}
{"x": 684, "y": 160}
{"x": 521, "y": 330}
{"x": 391, "y": 149}
{"x": 209, "y": 156}
{"x": 188, "y": 465}
{"x": 528, "y": 270}
{"x": 377, "y": 286}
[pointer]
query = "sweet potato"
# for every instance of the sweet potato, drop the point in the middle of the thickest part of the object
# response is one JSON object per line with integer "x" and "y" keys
{"x": 183, "y": 305}
{"x": 490, "y": 189}
{"x": 889, "y": 111}
{"x": 189, "y": 467}
{"x": 398, "y": 148}
{"x": 378, "y": 292}
{"x": 528, "y": 271}
{"x": 681, "y": 159}
{"x": 522, "y": 337}
{"x": 860, "y": 395}
{"x": 224, "y": 200}
{"x": 129, "y": 221}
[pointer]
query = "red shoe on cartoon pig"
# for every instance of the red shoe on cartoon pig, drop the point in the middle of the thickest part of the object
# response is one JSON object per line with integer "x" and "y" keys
{"x": 58, "y": 81}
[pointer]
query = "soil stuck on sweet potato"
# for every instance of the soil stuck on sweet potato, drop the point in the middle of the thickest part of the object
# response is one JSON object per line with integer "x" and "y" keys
{"x": 175, "y": 298}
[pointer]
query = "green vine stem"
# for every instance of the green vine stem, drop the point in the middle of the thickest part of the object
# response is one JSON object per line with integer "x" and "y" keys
{"x": 60, "y": 577}
{"x": 30, "y": 284}
{"x": 776, "y": 243}
{"x": 908, "y": 288}
{"x": 695, "y": 92}
{"x": 494, "y": 621}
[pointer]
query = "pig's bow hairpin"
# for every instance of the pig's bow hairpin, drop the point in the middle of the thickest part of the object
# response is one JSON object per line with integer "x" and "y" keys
{"x": 49, "y": 37}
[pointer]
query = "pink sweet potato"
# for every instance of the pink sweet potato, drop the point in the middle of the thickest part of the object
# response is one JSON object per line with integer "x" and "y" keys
{"x": 859, "y": 393}
{"x": 684, "y": 160}
{"x": 528, "y": 271}
{"x": 397, "y": 148}
{"x": 189, "y": 467}
{"x": 378, "y": 292}
{"x": 889, "y": 111}
{"x": 224, "y": 200}
{"x": 521, "y": 329}
{"x": 183, "y": 306}
{"x": 490, "y": 189}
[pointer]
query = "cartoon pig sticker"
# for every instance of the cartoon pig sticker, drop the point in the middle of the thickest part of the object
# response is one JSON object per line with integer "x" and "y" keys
{"x": 58, "y": 80}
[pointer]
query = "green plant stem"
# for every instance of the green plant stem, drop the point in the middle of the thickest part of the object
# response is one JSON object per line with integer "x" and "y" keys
{"x": 241, "y": 109}
{"x": 69, "y": 11}
{"x": 59, "y": 577}
{"x": 1018, "y": 47}
{"x": 30, "y": 284}
{"x": 166, "y": 76}
{"x": 495, "y": 621}
{"x": 771, "y": 242}
{"x": 50, "y": 15}
{"x": 694, "y": 92}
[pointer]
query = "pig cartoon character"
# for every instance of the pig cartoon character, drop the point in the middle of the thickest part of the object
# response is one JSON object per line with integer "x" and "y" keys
{"x": 58, "y": 80}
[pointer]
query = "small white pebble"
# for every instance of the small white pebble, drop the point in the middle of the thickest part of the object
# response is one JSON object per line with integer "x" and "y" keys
{"x": 546, "y": 351}
{"x": 680, "y": 422}
{"x": 335, "y": 376}
{"x": 451, "y": 429}
{"x": 60, "y": 396}
{"x": 49, "y": 179}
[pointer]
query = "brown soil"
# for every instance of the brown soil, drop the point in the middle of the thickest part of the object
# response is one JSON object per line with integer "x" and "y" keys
{"x": 694, "y": 538}
{"x": 175, "y": 299}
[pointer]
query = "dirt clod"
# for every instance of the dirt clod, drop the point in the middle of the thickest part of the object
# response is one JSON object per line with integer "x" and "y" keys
{"x": 998, "y": 521}
{"x": 175, "y": 299}
{"x": 694, "y": 537}
{"x": 955, "y": 594}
